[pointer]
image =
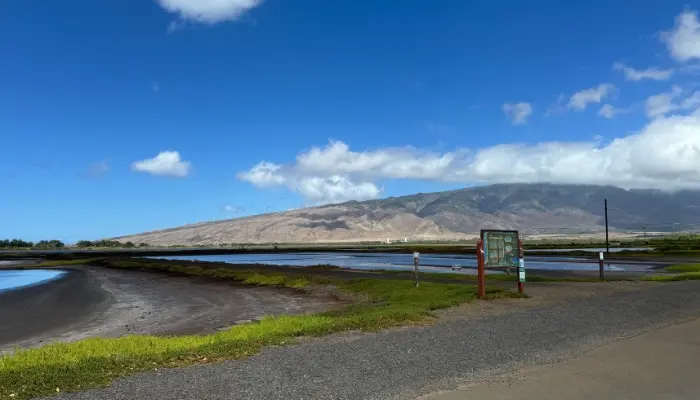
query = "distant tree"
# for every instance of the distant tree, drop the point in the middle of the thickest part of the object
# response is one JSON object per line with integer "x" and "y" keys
{"x": 49, "y": 244}
{"x": 84, "y": 243}
{"x": 129, "y": 245}
{"x": 15, "y": 244}
{"x": 143, "y": 244}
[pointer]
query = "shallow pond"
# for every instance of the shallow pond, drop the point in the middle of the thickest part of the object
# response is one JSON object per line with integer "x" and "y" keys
{"x": 16, "y": 278}
{"x": 392, "y": 261}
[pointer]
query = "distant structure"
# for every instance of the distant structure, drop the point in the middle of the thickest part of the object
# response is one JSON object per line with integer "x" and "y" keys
{"x": 405, "y": 239}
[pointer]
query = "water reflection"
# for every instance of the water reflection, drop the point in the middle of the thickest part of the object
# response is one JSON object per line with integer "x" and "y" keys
{"x": 391, "y": 261}
{"x": 12, "y": 279}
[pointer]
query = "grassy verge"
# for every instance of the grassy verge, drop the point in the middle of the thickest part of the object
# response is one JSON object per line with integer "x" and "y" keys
{"x": 492, "y": 277}
{"x": 60, "y": 263}
{"x": 95, "y": 362}
{"x": 683, "y": 268}
{"x": 684, "y": 272}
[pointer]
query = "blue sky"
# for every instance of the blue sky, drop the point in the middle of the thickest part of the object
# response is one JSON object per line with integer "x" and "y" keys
{"x": 125, "y": 116}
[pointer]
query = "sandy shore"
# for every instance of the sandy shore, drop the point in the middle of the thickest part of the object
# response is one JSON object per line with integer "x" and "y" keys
{"x": 101, "y": 302}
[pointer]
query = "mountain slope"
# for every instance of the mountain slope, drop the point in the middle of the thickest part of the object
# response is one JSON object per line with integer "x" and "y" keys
{"x": 531, "y": 208}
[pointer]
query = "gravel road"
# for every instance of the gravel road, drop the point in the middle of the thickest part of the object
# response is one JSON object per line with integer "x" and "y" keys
{"x": 483, "y": 339}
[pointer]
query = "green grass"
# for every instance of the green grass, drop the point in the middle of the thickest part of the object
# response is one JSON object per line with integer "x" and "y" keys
{"x": 683, "y": 268}
{"x": 684, "y": 272}
{"x": 96, "y": 362}
{"x": 491, "y": 277}
{"x": 60, "y": 263}
{"x": 688, "y": 276}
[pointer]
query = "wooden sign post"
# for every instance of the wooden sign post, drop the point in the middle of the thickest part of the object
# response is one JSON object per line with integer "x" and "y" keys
{"x": 499, "y": 249}
{"x": 416, "y": 258}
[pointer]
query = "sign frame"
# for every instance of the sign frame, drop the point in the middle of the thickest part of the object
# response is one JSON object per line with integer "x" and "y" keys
{"x": 514, "y": 250}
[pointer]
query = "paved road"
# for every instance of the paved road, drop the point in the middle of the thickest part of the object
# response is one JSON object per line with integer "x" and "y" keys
{"x": 473, "y": 343}
{"x": 657, "y": 365}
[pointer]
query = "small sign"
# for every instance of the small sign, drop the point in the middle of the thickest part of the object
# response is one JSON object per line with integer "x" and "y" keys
{"x": 416, "y": 255}
{"x": 521, "y": 270}
{"x": 601, "y": 256}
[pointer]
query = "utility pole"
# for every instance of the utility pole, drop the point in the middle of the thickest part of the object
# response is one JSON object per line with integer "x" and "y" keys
{"x": 607, "y": 241}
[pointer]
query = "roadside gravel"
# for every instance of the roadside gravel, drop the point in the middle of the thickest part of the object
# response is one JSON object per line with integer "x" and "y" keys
{"x": 406, "y": 363}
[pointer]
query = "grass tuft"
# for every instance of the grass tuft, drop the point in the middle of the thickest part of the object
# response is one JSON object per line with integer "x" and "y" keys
{"x": 685, "y": 272}
{"x": 60, "y": 263}
{"x": 96, "y": 362}
{"x": 683, "y": 268}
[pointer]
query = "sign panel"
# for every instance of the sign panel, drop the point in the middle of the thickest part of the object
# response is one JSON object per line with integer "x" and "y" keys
{"x": 416, "y": 255}
{"x": 500, "y": 249}
{"x": 521, "y": 270}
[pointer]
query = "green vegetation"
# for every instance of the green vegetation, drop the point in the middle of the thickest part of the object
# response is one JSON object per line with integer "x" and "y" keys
{"x": 492, "y": 277}
{"x": 684, "y": 272}
{"x": 15, "y": 244}
{"x": 689, "y": 276}
{"x": 683, "y": 268}
{"x": 21, "y": 244}
{"x": 95, "y": 362}
{"x": 109, "y": 244}
{"x": 59, "y": 263}
{"x": 676, "y": 245}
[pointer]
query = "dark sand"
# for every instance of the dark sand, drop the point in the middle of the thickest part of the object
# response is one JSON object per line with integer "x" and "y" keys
{"x": 101, "y": 302}
{"x": 47, "y": 308}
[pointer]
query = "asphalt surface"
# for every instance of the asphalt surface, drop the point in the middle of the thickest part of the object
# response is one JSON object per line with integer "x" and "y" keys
{"x": 655, "y": 365}
{"x": 410, "y": 362}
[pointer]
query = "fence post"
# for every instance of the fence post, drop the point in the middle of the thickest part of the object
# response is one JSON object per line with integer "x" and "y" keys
{"x": 521, "y": 267}
{"x": 481, "y": 278}
{"x": 416, "y": 256}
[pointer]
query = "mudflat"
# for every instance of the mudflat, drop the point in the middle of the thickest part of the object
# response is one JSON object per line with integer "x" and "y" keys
{"x": 40, "y": 311}
{"x": 101, "y": 302}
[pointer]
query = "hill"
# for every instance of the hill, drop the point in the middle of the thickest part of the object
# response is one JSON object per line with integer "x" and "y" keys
{"x": 531, "y": 208}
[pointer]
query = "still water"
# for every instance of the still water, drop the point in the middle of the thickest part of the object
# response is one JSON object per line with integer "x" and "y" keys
{"x": 391, "y": 261}
{"x": 12, "y": 279}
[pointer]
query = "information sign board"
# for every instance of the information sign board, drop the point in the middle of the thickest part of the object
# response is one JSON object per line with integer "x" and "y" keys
{"x": 500, "y": 249}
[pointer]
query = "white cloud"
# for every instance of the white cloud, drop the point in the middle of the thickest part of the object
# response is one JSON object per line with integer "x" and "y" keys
{"x": 401, "y": 163}
{"x": 208, "y": 11}
{"x": 336, "y": 189}
{"x": 691, "y": 102}
{"x": 517, "y": 112}
{"x": 663, "y": 103}
{"x": 231, "y": 209}
{"x": 653, "y": 73}
{"x": 558, "y": 107}
{"x": 166, "y": 163}
{"x": 608, "y": 111}
{"x": 683, "y": 42}
{"x": 665, "y": 154}
{"x": 580, "y": 100}
{"x": 264, "y": 174}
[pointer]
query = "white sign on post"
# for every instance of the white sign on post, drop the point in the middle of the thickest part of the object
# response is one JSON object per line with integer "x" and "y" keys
{"x": 416, "y": 255}
{"x": 521, "y": 270}
{"x": 601, "y": 256}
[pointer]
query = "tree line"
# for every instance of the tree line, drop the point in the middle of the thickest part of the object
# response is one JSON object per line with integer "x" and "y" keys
{"x": 57, "y": 244}
{"x": 108, "y": 243}
{"x": 22, "y": 244}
